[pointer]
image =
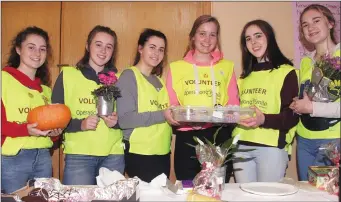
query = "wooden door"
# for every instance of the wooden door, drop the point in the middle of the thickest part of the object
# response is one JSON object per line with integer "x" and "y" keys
{"x": 46, "y": 15}
{"x": 127, "y": 19}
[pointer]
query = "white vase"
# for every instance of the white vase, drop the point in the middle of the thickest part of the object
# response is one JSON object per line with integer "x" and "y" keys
{"x": 105, "y": 107}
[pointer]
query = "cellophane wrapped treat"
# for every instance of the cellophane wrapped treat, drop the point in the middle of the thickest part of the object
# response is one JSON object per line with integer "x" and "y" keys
{"x": 332, "y": 151}
{"x": 56, "y": 192}
{"x": 325, "y": 80}
{"x": 210, "y": 180}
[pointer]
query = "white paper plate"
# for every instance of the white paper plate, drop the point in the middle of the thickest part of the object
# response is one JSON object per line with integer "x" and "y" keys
{"x": 269, "y": 188}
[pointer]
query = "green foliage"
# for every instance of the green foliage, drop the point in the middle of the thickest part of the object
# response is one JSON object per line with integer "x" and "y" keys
{"x": 108, "y": 92}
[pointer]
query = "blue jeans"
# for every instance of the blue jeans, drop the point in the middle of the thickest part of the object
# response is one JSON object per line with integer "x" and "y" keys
{"x": 83, "y": 169}
{"x": 263, "y": 164}
{"x": 308, "y": 154}
{"x": 26, "y": 165}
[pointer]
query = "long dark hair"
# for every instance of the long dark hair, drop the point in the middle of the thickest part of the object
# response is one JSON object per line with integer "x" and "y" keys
{"x": 199, "y": 21}
{"x": 272, "y": 53}
{"x": 144, "y": 36}
{"x": 324, "y": 11}
{"x": 85, "y": 59}
{"x": 43, "y": 72}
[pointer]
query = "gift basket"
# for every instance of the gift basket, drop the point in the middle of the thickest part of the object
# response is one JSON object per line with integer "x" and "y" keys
{"x": 228, "y": 114}
{"x": 327, "y": 177}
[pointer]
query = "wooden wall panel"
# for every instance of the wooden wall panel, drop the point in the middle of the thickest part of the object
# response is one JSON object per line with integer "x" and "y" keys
{"x": 15, "y": 16}
{"x": 127, "y": 19}
{"x": 18, "y": 15}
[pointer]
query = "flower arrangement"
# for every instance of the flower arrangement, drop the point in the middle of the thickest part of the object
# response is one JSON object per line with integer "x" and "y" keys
{"x": 325, "y": 82}
{"x": 211, "y": 179}
{"x": 108, "y": 90}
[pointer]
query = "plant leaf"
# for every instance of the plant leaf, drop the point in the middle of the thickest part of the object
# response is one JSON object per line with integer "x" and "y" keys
{"x": 209, "y": 143}
{"x": 195, "y": 139}
{"x": 227, "y": 144}
{"x": 244, "y": 150}
{"x": 234, "y": 150}
{"x": 190, "y": 145}
{"x": 238, "y": 158}
{"x": 216, "y": 133}
{"x": 227, "y": 160}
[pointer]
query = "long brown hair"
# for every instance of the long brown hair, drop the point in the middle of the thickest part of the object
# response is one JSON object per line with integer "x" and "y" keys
{"x": 273, "y": 52}
{"x": 199, "y": 21}
{"x": 43, "y": 72}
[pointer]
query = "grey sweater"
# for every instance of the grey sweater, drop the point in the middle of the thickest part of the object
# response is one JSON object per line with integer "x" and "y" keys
{"x": 127, "y": 109}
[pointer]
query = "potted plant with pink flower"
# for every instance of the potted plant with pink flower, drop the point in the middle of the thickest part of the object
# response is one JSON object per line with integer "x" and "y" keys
{"x": 107, "y": 93}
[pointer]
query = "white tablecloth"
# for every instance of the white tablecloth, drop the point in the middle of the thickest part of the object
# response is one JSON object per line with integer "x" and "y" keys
{"x": 232, "y": 192}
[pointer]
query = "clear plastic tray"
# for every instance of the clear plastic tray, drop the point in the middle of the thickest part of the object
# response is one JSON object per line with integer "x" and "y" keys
{"x": 228, "y": 114}
{"x": 192, "y": 114}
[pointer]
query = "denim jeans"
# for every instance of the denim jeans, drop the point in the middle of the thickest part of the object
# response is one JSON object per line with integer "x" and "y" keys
{"x": 263, "y": 164}
{"x": 83, "y": 169}
{"x": 308, "y": 154}
{"x": 26, "y": 165}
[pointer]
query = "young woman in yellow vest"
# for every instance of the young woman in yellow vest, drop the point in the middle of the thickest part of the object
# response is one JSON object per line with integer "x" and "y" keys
{"x": 25, "y": 85}
{"x": 268, "y": 84}
{"x": 90, "y": 142}
{"x": 319, "y": 122}
{"x": 142, "y": 109}
{"x": 202, "y": 78}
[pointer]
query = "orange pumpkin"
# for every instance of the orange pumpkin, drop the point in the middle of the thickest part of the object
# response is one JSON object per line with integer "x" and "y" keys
{"x": 50, "y": 116}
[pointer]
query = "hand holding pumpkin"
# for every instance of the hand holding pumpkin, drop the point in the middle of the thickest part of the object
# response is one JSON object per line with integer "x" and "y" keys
{"x": 48, "y": 117}
{"x": 110, "y": 120}
{"x": 90, "y": 123}
{"x": 34, "y": 131}
{"x": 55, "y": 132}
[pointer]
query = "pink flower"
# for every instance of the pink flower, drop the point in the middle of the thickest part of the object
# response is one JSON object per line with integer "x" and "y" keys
{"x": 102, "y": 78}
{"x": 113, "y": 76}
{"x": 107, "y": 78}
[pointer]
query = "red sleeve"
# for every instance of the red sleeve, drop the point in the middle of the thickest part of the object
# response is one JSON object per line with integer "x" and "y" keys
{"x": 55, "y": 139}
{"x": 11, "y": 129}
